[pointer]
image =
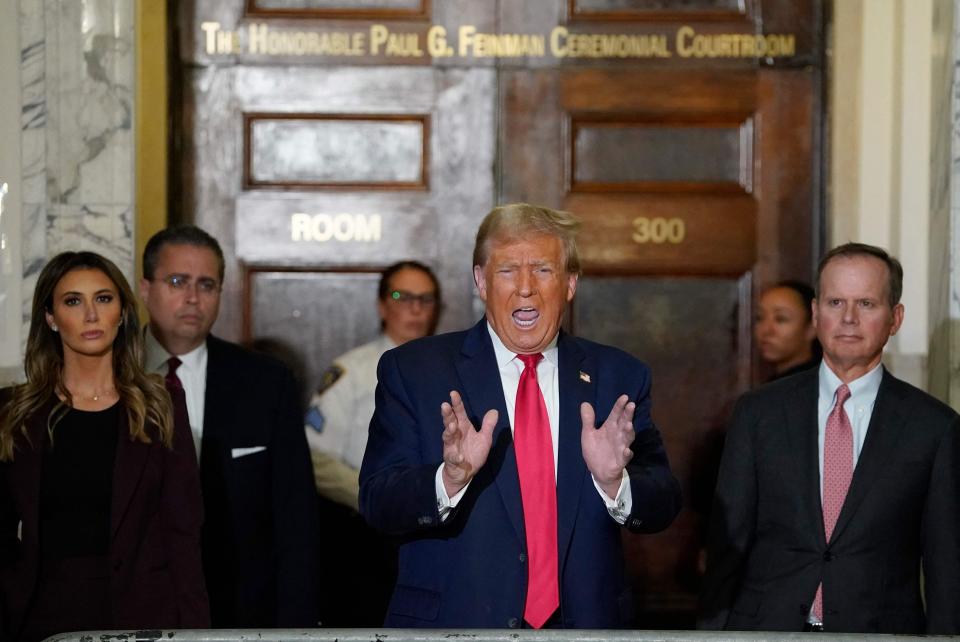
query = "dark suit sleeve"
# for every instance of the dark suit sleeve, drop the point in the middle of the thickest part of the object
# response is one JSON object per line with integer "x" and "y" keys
{"x": 655, "y": 491}
{"x": 397, "y": 487}
{"x": 732, "y": 524}
{"x": 941, "y": 537}
{"x": 294, "y": 504}
{"x": 182, "y": 507}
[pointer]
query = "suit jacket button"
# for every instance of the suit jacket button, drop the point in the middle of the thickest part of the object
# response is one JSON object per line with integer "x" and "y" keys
{"x": 513, "y": 623}
{"x": 523, "y": 558}
{"x": 827, "y": 556}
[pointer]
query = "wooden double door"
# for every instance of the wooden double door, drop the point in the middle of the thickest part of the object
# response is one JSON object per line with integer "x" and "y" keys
{"x": 321, "y": 140}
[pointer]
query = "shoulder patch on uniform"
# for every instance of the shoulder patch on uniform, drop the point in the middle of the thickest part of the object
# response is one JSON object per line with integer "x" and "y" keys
{"x": 315, "y": 419}
{"x": 330, "y": 377}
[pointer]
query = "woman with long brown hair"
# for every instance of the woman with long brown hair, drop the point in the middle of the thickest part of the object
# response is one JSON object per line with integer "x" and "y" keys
{"x": 100, "y": 506}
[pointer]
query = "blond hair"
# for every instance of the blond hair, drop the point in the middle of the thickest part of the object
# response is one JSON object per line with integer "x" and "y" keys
{"x": 519, "y": 220}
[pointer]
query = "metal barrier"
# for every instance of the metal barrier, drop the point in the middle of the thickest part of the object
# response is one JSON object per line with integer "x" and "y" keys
{"x": 461, "y": 635}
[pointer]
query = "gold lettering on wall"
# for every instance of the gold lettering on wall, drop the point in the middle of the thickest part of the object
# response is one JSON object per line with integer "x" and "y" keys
{"x": 388, "y": 43}
{"x": 502, "y": 45}
{"x": 344, "y": 228}
{"x": 379, "y": 40}
{"x": 220, "y": 42}
{"x": 437, "y": 45}
{"x": 261, "y": 39}
{"x": 659, "y": 230}
{"x": 563, "y": 44}
{"x": 733, "y": 45}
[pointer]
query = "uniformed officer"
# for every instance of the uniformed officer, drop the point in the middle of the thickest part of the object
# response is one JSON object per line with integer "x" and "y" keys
{"x": 340, "y": 410}
{"x": 362, "y": 561}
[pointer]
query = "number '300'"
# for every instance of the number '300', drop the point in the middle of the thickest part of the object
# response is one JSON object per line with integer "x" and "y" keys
{"x": 658, "y": 230}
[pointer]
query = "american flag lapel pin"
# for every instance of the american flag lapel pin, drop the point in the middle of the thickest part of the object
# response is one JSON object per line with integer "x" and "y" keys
{"x": 584, "y": 377}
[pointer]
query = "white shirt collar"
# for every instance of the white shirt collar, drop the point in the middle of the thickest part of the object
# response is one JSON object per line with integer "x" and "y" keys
{"x": 864, "y": 388}
{"x": 157, "y": 355}
{"x": 505, "y": 355}
{"x": 193, "y": 359}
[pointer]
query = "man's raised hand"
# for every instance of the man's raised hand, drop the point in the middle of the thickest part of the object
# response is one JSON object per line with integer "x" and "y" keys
{"x": 464, "y": 449}
{"x": 606, "y": 450}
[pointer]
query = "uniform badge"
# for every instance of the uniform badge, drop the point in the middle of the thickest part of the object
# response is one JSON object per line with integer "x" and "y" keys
{"x": 315, "y": 418}
{"x": 330, "y": 377}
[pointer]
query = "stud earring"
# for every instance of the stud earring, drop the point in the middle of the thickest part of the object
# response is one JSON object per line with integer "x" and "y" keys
{"x": 53, "y": 326}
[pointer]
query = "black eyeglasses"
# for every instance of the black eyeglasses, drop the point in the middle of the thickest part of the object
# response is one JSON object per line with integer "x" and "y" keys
{"x": 427, "y": 300}
{"x": 181, "y": 283}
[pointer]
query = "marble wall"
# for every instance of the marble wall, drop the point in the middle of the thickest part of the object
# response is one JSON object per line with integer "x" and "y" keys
{"x": 945, "y": 226}
{"x": 943, "y": 242}
{"x": 77, "y": 79}
{"x": 10, "y": 191}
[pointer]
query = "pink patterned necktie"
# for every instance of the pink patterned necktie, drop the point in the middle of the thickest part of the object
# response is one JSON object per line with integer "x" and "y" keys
{"x": 538, "y": 491}
{"x": 837, "y": 473}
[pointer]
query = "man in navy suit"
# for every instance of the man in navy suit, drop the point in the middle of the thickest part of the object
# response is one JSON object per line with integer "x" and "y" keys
{"x": 508, "y": 457}
{"x": 260, "y": 530}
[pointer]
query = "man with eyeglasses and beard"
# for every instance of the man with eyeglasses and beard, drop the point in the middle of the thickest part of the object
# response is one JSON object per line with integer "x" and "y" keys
{"x": 260, "y": 529}
{"x": 409, "y": 304}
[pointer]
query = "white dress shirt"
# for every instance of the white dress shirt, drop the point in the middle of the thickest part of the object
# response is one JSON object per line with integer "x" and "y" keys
{"x": 859, "y": 408}
{"x": 510, "y": 368}
{"x": 192, "y": 374}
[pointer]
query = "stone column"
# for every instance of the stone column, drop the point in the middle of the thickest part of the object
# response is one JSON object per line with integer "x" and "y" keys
{"x": 10, "y": 194}
{"x": 945, "y": 208}
{"x": 77, "y": 158}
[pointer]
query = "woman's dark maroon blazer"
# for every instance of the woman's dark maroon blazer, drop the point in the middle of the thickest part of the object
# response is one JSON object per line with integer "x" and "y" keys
{"x": 156, "y": 515}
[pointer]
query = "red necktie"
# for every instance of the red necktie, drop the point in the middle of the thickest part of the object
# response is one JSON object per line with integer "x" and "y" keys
{"x": 538, "y": 490}
{"x": 172, "y": 381}
{"x": 837, "y": 473}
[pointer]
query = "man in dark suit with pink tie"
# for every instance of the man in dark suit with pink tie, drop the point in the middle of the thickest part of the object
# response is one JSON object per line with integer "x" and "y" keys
{"x": 509, "y": 457}
{"x": 837, "y": 505}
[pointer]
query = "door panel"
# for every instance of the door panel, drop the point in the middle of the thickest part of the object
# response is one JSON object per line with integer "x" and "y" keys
{"x": 316, "y": 151}
{"x": 692, "y": 186}
{"x": 628, "y": 154}
{"x": 315, "y": 311}
{"x": 329, "y": 169}
{"x": 689, "y": 331}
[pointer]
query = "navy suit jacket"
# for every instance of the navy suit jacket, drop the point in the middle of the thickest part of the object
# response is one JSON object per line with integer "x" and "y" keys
{"x": 470, "y": 570}
{"x": 767, "y": 546}
{"x": 260, "y": 533}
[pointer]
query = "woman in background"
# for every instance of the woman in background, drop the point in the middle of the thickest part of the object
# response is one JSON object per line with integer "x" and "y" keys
{"x": 784, "y": 328}
{"x": 100, "y": 506}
